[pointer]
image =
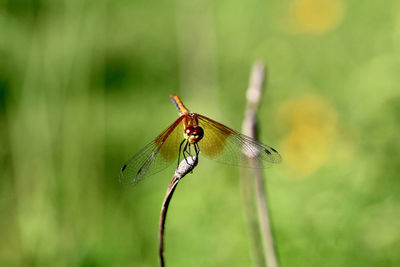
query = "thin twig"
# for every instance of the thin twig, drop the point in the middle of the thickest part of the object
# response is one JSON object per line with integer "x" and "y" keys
{"x": 187, "y": 165}
{"x": 254, "y": 93}
{"x": 251, "y": 218}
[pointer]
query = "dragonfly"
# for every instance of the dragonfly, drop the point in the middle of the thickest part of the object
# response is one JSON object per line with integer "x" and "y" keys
{"x": 193, "y": 134}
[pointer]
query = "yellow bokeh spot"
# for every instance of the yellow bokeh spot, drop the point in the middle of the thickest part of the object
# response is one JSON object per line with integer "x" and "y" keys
{"x": 305, "y": 150}
{"x": 311, "y": 124}
{"x": 315, "y": 16}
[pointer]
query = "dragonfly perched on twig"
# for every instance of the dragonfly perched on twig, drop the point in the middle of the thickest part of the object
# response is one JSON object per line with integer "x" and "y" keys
{"x": 190, "y": 135}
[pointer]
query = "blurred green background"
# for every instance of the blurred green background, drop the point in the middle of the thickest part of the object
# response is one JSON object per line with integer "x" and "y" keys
{"x": 85, "y": 84}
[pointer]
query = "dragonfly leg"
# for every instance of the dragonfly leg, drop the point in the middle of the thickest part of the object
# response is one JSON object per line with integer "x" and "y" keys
{"x": 180, "y": 151}
{"x": 190, "y": 151}
{"x": 185, "y": 152}
{"x": 197, "y": 149}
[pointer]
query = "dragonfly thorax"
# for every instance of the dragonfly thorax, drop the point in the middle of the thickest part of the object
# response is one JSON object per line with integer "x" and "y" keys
{"x": 193, "y": 134}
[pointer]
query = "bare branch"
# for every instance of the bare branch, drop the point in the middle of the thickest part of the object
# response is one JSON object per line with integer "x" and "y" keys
{"x": 187, "y": 165}
{"x": 254, "y": 93}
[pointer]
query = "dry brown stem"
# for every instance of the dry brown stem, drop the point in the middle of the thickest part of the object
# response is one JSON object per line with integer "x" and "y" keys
{"x": 187, "y": 165}
{"x": 254, "y": 93}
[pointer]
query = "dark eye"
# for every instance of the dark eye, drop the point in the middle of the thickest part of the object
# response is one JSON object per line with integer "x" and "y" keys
{"x": 199, "y": 132}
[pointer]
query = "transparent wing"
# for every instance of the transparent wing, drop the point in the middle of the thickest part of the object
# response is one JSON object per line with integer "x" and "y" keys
{"x": 155, "y": 156}
{"x": 225, "y": 145}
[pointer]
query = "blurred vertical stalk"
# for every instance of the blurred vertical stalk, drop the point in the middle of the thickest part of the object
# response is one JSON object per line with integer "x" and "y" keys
{"x": 251, "y": 218}
{"x": 55, "y": 126}
{"x": 249, "y": 127}
{"x": 197, "y": 46}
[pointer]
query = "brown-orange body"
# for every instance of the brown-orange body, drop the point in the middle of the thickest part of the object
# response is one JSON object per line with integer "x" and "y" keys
{"x": 192, "y": 132}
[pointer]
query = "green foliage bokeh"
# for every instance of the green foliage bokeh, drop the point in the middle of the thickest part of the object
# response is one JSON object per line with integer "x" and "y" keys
{"x": 86, "y": 84}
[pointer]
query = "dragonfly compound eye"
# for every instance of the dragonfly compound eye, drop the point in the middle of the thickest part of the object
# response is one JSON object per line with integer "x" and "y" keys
{"x": 194, "y": 134}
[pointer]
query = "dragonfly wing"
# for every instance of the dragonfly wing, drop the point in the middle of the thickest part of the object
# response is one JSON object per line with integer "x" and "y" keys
{"x": 155, "y": 156}
{"x": 228, "y": 146}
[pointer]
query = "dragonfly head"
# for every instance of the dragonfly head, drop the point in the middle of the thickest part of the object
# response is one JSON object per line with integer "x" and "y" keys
{"x": 193, "y": 134}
